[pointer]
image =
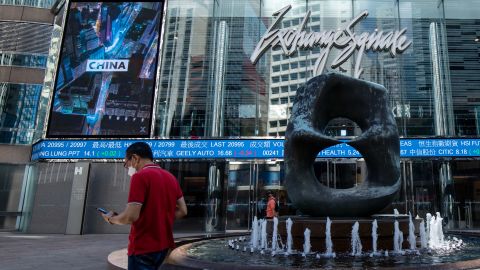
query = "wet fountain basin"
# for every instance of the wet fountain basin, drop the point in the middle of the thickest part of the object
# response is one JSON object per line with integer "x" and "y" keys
{"x": 341, "y": 231}
{"x": 215, "y": 254}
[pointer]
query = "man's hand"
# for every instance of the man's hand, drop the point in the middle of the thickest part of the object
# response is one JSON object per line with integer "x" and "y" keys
{"x": 107, "y": 217}
{"x": 128, "y": 216}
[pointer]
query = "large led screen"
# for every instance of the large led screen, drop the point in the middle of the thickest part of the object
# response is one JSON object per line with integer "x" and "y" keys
{"x": 106, "y": 74}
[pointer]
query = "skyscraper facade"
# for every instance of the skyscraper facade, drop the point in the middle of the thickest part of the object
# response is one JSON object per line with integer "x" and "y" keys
{"x": 25, "y": 36}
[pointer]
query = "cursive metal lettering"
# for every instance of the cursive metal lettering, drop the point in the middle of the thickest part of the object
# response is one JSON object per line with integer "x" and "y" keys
{"x": 290, "y": 40}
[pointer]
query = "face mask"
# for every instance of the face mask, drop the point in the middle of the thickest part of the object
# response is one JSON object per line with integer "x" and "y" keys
{"x": 131, "y": 171}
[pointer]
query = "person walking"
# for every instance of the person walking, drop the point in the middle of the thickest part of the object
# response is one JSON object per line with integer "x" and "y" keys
{"x": 271, "y": 206}
{"x": 155, "y": 200}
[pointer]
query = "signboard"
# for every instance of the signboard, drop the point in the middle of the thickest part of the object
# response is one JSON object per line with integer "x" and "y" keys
{"x": 105, "y": 79}
{"x": 345, "y": 39}
{"x": 239, "y": 149}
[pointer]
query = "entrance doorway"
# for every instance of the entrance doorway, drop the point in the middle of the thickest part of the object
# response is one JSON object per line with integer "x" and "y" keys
{"x": 247, "y": 185}
{"x": 340, "y": 173}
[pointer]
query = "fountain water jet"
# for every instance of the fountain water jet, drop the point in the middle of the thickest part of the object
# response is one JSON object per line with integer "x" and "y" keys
{"x": 328, "y": 240}
{"x": 289, "y": 236}
{"x": 423, "y": 236}
{"x": 411, "y": 233}
{"x": 434, "y": 238}
{"x": 306, "y": 245}
{"x": 374, "y": 239}
{"x": 429, "y": 219}
{"x": 397, "y": 239}
{"x": 254, "y": 235}
{"x": 274, "y": 236}
{"x": 356, "y": 243}
{"x": 263, "y": 244}
{"x": 437, "y": 239}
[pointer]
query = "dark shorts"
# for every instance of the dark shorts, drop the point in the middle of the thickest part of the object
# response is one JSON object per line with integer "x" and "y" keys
{"x": 148, "y": 261}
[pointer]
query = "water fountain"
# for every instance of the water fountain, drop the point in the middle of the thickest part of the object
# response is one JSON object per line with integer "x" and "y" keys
{"x": 356, "y": 243}
{"x": 411, "y": 234}
{"x": 306, "y": 243}
{"x": 374, "y": 239}
{"x": 423, "y": 235}
{"x": 254, "y": 235}
{"x": 342, "y": 224}
{"x": 263, "y": 244}
{"x": 289, "y": 236}
{"x": 397, "y": 239}
{"x": 274, "y": 236}
{"x": 328, "y": 240}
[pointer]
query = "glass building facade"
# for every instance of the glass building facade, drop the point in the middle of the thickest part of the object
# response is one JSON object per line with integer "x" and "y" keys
{"x": 25, "y": 37}
{"x": 208, "y": 88}
{"x": 24, "y": 48}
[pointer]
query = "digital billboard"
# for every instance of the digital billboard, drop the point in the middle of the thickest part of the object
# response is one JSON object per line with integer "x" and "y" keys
{"x": 105, "y": 80}
{"x": 241, "y": 149}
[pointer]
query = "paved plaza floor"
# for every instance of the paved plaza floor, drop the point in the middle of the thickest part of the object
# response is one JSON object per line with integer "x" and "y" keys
{"x": 66, "y": 252}
{"x": 73, "y": 252}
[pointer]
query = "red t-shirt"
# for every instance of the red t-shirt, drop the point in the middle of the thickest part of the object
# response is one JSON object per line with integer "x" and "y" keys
{"x": 158, "y": 191}
{"x": 271, "y": 207}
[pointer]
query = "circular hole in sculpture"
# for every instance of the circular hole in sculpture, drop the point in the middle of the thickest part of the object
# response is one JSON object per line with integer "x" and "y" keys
{"x": 340, "y": 173}
{"x": 342, "y": 128}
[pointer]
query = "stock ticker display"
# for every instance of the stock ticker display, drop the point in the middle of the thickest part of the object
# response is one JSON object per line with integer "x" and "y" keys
{"x": 106, "y": 74}
{"x": 239, "y": 149}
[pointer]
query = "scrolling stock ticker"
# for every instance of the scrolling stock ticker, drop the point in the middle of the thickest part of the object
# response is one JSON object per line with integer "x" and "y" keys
{"x": 246, "y": 149}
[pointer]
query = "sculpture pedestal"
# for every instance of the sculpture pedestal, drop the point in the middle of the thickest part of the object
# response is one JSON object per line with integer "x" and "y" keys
{"x": 341, "y": 232}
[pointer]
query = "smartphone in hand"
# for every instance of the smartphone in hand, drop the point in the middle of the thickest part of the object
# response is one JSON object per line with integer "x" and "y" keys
{"x": 102, "y": 210}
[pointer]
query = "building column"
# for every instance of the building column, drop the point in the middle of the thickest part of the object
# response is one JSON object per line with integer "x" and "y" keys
{"x": 214, "y": 200}
{"x": 77, "y": 198}
{"x": 446, "y": 192}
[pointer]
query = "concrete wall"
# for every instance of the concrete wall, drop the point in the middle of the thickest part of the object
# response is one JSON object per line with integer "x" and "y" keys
{"x": 53, "y": 187}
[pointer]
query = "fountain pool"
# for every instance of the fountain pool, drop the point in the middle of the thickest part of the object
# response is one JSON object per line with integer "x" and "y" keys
{"x": 216, "y": 253}
{"x": 262, "y": 250}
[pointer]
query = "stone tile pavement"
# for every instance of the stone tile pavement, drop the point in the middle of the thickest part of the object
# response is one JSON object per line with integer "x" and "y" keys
{"x": 52, "y": 252}
{"x": 63, "y": 252}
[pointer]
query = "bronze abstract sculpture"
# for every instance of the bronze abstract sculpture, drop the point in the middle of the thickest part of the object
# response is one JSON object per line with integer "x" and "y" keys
{"x": 320, "y": 100}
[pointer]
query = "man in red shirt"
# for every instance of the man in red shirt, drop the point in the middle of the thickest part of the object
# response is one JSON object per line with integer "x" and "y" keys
{"x": 271, "y": 206}
{"x": 155, "y": 200}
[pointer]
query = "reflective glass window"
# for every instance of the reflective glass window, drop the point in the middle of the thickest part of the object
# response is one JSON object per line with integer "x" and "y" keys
{"x": 18, "y": 106}
{"x": 23, "y": 60}
{"x": 462, "y": 24}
